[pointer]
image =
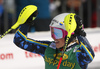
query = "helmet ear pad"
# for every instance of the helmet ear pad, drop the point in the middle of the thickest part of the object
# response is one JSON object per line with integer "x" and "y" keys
{"x": 73, "y": 37}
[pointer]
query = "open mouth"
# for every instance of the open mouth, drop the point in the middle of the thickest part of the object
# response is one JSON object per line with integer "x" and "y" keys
{"x": 56, "y": 42}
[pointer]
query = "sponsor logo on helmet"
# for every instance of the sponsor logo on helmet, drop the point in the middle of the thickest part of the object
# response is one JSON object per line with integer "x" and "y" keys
{"x": 61, "y": 23}
{"x": 59, "y": 55}
{"x": 54, "y": 21}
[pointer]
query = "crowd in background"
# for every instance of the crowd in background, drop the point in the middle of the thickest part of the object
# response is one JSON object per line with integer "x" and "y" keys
{"x": 47, "y": 10}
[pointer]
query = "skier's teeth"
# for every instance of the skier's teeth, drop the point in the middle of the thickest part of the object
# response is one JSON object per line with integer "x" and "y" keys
{"x": 56, "y": 41}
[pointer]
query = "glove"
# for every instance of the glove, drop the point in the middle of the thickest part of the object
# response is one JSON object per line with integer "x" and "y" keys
{"x": 31, "y": 19}
{"x": 79, "y": 30}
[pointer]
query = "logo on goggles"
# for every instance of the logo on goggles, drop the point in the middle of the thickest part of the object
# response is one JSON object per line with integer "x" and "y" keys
{"x": 61, "y": 23}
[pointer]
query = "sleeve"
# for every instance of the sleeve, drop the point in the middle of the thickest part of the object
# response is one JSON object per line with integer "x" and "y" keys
{"x": 31, "y": 45}
{"x": 87, "y": 54}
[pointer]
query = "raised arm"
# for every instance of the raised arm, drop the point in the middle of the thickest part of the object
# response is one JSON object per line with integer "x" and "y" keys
{"x": 28, "y": 44}
{"x": 26, "y": 18}
{"x": 86, "y": 55}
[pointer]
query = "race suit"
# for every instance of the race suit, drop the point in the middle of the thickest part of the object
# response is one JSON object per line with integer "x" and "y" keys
{"x": 77, "y": 56}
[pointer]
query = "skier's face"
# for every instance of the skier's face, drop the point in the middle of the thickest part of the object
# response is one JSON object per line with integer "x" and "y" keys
{"x": 58, "y": 37}
{"x": 59, "y": 42}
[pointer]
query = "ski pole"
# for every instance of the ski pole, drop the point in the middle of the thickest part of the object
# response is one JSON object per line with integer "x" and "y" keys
{"x": 23, "y": 16}
{"x": 70, "y": 25}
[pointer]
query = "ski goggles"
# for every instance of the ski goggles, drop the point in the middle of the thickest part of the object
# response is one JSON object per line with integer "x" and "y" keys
{"x": 58, "y": 33}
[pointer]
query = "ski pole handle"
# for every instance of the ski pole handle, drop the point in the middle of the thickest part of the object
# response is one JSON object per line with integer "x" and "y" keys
{"x": 70, "y": 26}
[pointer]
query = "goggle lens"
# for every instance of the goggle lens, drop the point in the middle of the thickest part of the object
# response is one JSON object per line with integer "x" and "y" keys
{"x": 58, "y": 33}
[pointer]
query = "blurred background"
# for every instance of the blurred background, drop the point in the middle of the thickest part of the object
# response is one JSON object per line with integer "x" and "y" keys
{"x": 88, "y": 10}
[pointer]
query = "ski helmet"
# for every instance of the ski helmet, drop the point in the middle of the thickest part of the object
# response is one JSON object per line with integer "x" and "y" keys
{"x": 57, "y": 24}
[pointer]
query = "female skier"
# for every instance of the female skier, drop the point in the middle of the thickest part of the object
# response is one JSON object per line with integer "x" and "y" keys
{"x": 78, "y": 53}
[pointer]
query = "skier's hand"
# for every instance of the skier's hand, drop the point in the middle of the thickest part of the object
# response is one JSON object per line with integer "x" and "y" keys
{"x": 79, "y": 30}
{"x": 31, "y": 19}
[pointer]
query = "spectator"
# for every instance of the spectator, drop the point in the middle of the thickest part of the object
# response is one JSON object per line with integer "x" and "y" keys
{"x": 94, "y": 14}
{"x": 69, "y": 5}
{"x": 1, "y": 17}
{"x": 74, "y": 6}
{"x": 1, "y": 7}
